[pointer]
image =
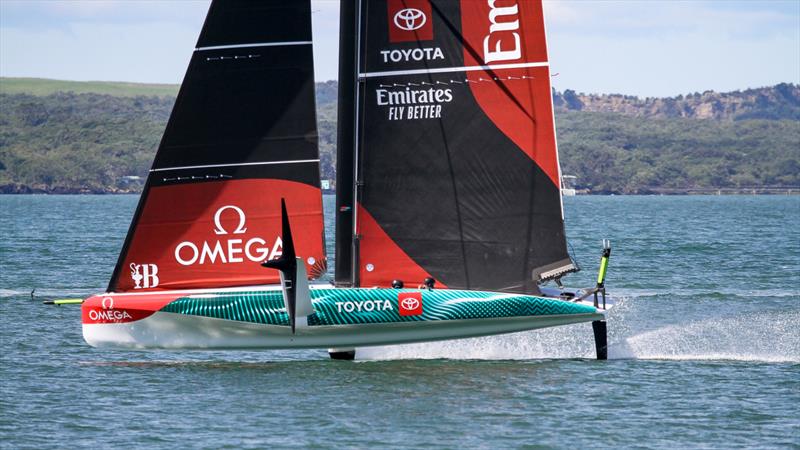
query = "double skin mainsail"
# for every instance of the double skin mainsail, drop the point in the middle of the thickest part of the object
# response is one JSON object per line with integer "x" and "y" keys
{"x": 454, "y": 173}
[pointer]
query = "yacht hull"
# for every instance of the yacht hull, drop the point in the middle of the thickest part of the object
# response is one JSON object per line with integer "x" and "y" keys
{"x": 342, "y": 318}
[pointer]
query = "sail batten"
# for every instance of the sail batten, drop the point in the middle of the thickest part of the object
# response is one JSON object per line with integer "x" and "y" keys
{"x": 487, "y": 68}
{"x": 258, "y": 163}
{"x": 249, "y": 45}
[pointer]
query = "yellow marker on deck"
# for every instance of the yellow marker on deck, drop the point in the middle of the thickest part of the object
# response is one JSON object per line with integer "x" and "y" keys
{"x": 601, "y": 274}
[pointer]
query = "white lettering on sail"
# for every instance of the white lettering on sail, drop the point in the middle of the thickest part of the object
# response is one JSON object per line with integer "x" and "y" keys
{"x": 256, "y": 245}
{"x": 413, "y": 96}
{"x": 412, "y": 104}
{"x": 501, "y": 27}
{"x": 412, "y": 54}
{"x": 230, "y": 251}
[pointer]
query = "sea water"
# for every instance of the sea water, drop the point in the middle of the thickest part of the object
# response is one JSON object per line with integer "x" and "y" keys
{"x": 704, "y": 348}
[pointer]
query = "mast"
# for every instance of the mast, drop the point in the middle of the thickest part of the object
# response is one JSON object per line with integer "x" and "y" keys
{"x": 345, "y": 142}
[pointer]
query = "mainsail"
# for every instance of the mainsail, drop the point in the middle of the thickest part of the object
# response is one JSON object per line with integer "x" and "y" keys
{"x": 455, "y": 165}
{"x": 242, "y": 135}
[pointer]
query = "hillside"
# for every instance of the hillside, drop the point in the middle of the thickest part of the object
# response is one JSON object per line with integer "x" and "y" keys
{"x": 99, "y": 137}
{"x": 774, "y": 103}
{"x": 612, "y": 153}
{"x": 44, "y": 86}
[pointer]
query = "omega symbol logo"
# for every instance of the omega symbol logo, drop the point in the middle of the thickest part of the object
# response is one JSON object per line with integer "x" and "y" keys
{"x": 107, "y": 303}
{"x": 219, "y": 229}
{"x": 409, "y": 303}
{"x": 410, "y": 19}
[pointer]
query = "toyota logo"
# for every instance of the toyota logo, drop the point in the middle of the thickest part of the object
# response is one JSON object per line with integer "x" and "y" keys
{"x": 410, "y": 19}
{"x": 409, "y": 303}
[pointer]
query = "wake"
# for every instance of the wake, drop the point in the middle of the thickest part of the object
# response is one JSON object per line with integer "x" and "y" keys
{"x": 762, "y": 336}
{"x": 768, "y": 337}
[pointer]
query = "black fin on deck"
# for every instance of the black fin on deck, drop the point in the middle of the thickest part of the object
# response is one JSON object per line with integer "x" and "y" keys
{"x": 287, "y": 264}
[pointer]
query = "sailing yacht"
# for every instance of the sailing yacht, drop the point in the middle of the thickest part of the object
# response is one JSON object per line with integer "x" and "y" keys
{"x": 449, "y": 218}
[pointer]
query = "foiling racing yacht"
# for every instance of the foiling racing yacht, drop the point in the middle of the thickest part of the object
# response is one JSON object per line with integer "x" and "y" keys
{"x": 448, "y": 205}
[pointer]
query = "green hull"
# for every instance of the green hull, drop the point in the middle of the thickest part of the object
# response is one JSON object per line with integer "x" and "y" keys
{"x": 371, "y": 306}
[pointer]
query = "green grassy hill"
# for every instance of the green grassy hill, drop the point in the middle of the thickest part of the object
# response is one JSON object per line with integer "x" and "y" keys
{"x": 62, "y": 136}
{"x": 44, "y": 86}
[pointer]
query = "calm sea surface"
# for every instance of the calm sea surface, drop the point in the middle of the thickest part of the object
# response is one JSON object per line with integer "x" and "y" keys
{"x": 704, "y": 348}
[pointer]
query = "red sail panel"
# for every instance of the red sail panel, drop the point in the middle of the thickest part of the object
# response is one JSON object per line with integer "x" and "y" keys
{"x": 216, "y": 234}
{"x": 509, "y": 36}
{"x": 503, "y": 31}
{"x": 385, "y": 261}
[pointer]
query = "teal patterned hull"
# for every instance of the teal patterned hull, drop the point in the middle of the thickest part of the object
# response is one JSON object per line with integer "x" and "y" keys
{"x": 342, "y": 318}
{"x": 372, "y": 306}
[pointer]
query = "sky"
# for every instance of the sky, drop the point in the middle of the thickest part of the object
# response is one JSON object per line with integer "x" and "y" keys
{"x": 644, "y": 48}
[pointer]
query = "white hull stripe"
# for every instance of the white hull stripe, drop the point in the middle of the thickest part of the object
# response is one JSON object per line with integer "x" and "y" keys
{"x": 452, "y": 69}
{"x": 264, "y": 163}
{"x": 257, "y": 44}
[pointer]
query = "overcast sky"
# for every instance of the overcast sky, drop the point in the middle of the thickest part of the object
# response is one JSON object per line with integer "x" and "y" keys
{"x": 645, "y": 48}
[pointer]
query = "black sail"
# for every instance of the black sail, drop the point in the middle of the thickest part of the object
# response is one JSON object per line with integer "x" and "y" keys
{"x": 241, "y": 136}
{"x": 456, "y": 163}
